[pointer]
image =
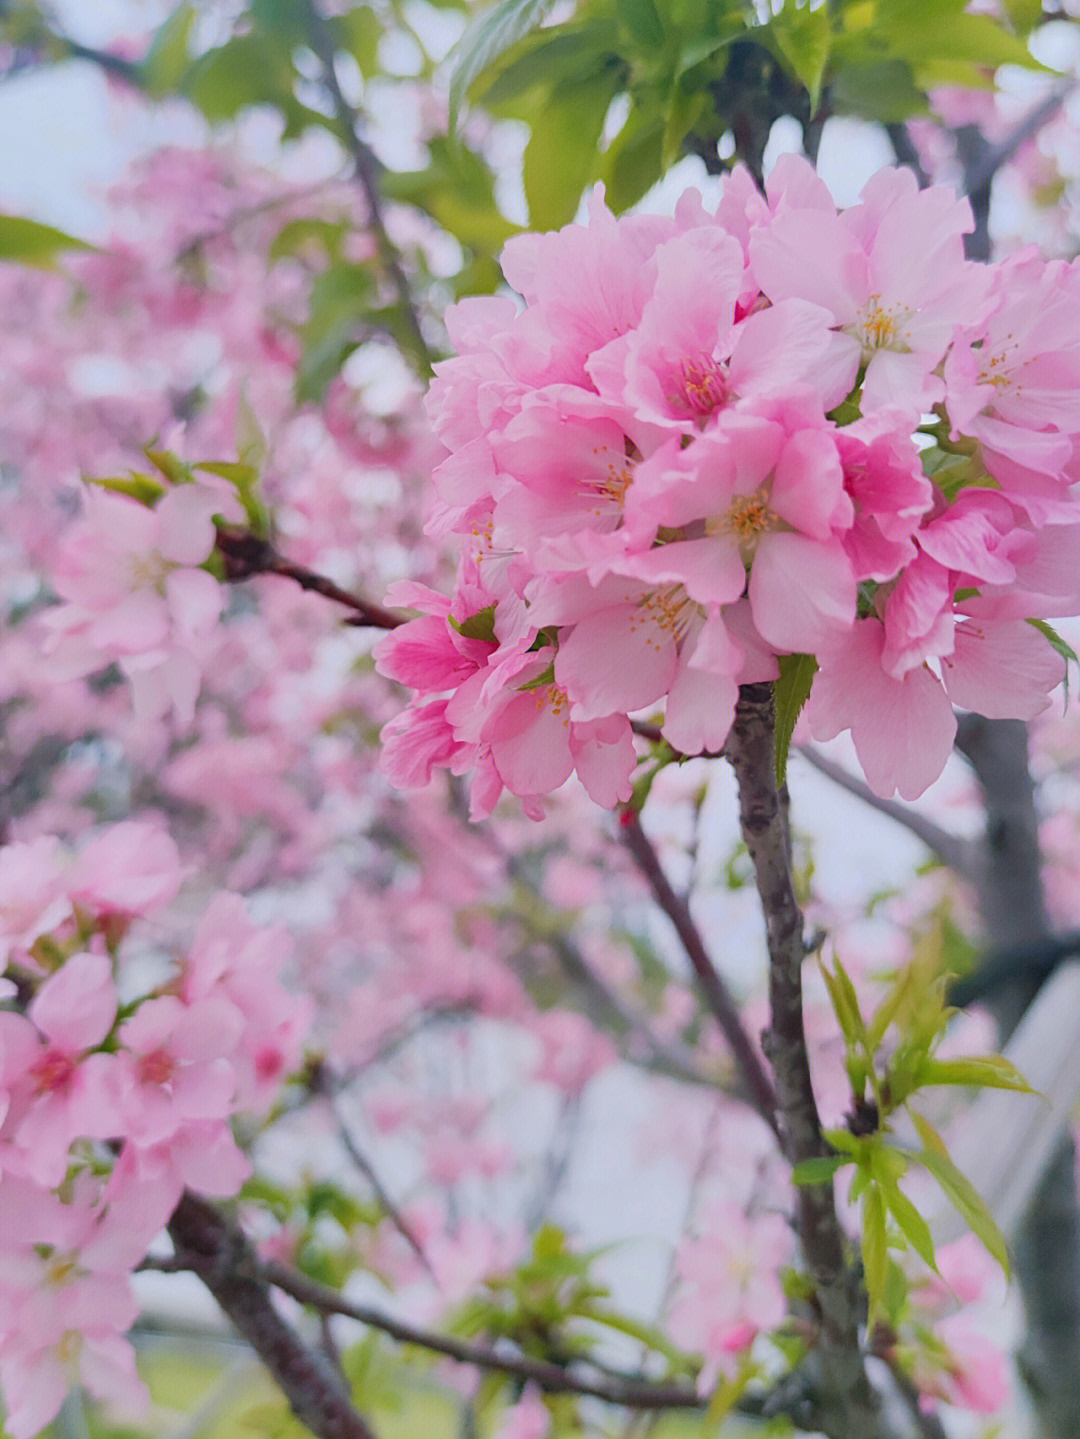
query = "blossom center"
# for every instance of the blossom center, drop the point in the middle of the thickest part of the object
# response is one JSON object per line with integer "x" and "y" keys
{"x": 703, "y": 386}
{"x": 149, "y": 571}
{"x": 61, "y": 1269}
{"x": 611, "y": 487}
{"x": 157, "y": 1067}
{"x": 747, "y": 519}
{"x": 881, "y": 328}
{"x": 670, "y": 609}
{"x": 995, "y": 373}
{"x": 53, "y": 1070}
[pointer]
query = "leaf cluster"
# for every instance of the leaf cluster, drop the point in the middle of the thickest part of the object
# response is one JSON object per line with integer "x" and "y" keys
{"x": 891, "y": 1057}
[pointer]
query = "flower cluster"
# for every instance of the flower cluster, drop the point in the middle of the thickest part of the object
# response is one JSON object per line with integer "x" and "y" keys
{"x": 707, "y": 442}
{"x": 112, "y": 1102}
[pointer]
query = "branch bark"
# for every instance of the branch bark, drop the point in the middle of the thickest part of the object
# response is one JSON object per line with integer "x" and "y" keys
{"x": 847, "y": 1407}
{"x": 217, "y": 1251}
{"x": 714, "y": 991}
{"x": 956, "y": 853}
{"x": 367, "y": 169}
{"x": 246, "y": 554}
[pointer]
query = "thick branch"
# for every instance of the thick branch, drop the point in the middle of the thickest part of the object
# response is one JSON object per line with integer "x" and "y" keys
{"x": 216, "y": 1250}
{"x": 957, "y": 853}
{"x": 714, "y": 991}
{"x": 246, "y": 554}
{"x": 848, "y": 1406}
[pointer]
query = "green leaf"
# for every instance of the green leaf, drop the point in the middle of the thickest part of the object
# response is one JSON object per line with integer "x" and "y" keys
{"x": 339, "y": 301}
{"x": 247, "y": 70}
{"x": 803, "y": 38}
{"x": 308, "y": 232}
{"x": 166, "y": 62}
{"x": 490, "y": 36}
{"x": 547, "y": 58}
{"x": 642, "y": 22}
{"x": 480, "y": 626}
{"x": 883, "y": 90}
{"x": 635, "y": 158}
{"x": 26, "y": 242}
{"x": 562, "y": 154}
{"x": 911, "y": 1223}
{"x": 143, "y": 488}
{"x": 687, "y": 105}
{"x": 1061, "y": 646}
{"x": 648, "y": 1334}
{"x": 845, "y": 1003}
{"x": 358, "y": 32}
{"x": 875, "y": 1252}
{"x": 964, "y": 1197}
{"x": 819, "y": 1170}
{"x": 790, "y": 693}
{"x": 457, "y": 190}
{"x": 985, "y": 1071}
{"x": 927, "y": 1133}
{"x": 175, "y": 470}
{"x": 945, "y": 29}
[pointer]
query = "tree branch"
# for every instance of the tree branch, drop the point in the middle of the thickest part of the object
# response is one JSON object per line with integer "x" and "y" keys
{"x": 625, "y": 1390}
{"x": 246, "y": 554}
{"x": 322, "y": 1084}
{"x": 981, "y": 173}
{"x": 367, "y": 168}
{"x": 714, "y": 991}
{"x": 957, "y": 853}
{"x": 217, "y": 1251}
{"x": 846, "y": 1403}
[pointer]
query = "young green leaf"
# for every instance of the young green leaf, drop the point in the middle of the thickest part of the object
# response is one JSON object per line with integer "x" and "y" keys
{"x": 1063, "y": 648}
{"x": 25, "y": 242}
{"x": 561, "y": 156}
{"x": 984, "y": 1071}
{"x": 875, "y": 1251}
{"x": 490, "y": 36}
{"x": 910, "y": 1222}
{"x": 964, "y": 1197}
{"x": 819, "y": 1170}
{"x": 790, "y": 693}
{"x": 803, "y": 38}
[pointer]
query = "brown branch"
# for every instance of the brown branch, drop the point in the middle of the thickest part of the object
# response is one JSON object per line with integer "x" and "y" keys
{"x": 367, "y": 168}
{"x": 217, "y": 1251}
{"x": 845, "y": 1400}
{"x": 981, "y": 173}
{"x": 322, "y": 1083}
{"x": 246, "y": 554}
{"x": 957, "y": 853}
{"x": 625, "y": 1390}
{"x": 714, "y": 991}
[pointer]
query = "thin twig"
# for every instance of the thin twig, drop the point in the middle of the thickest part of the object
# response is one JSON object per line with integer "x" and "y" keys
{"x": 953, "y": 851}
{"x": 626, "y": 1390}
{"x": 382, "y": 1194}
{"x": 715, "y": 992}
{"x": 367, "y": 168}
{"x": 981, "y": 173}
{"x": 246, "y": 554}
